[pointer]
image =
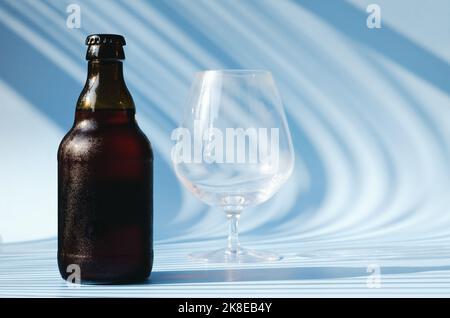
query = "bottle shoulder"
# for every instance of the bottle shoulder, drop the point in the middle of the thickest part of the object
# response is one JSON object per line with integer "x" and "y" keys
{"x": 89, "y": 140}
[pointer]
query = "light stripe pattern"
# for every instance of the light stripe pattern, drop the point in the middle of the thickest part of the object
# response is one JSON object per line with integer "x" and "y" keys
{"x": 314, "y": 270}
{"x": 369, "y": 112}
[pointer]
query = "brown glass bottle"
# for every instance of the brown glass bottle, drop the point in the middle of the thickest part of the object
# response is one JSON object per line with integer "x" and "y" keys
{"x": 105, "y": 178}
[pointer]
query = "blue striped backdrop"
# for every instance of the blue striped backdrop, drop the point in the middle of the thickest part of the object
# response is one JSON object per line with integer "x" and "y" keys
{"x": 369, "y": 111}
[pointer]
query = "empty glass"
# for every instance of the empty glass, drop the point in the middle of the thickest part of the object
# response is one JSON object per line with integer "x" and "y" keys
{"x": 233, "y": 149}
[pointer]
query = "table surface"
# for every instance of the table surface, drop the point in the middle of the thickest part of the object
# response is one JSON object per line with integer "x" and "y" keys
{"x": 308, "y": 269}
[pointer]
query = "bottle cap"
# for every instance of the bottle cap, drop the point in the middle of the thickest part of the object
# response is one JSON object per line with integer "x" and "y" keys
{"x": 95, "y": 39}
{"x": 105, "y": 46}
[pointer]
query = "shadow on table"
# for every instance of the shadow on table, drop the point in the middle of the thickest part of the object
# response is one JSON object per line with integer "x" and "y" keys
{"x": 277, "y": 274}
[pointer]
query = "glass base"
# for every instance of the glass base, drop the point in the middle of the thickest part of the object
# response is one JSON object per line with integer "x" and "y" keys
{"x": 241, "y": 255}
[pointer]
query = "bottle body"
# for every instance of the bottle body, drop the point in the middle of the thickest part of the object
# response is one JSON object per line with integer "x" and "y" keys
{"x": 105, "y": 206}
{"x": 105, "y": 183}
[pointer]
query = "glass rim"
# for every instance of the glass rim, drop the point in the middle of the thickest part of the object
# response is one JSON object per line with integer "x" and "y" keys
{"x": 236, "y": 71}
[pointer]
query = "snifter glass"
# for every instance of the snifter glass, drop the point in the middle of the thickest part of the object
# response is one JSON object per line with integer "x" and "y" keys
{"x": 233, "y": 149}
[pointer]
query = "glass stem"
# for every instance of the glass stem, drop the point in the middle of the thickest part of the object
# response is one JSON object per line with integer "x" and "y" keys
{"x": 233, "y": 232}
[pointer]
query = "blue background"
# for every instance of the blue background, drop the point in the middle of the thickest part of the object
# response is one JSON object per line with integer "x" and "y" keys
{"x": 368, "y": 109}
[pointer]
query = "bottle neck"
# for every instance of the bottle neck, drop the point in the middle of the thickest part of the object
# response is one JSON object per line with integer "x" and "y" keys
{"x": 106, "y": 117}
{"x": 108, "y": 72}
{"x": 105, "y": 87}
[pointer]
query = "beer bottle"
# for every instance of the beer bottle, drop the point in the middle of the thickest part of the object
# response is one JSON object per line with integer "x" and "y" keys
{"x": 105, "y": 176}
